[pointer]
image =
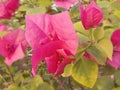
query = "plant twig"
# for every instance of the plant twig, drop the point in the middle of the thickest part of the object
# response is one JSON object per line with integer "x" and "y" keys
{"x": 3, "y": 78}
{"x": 10, "y": 73}
{"x": 69, "y": 81}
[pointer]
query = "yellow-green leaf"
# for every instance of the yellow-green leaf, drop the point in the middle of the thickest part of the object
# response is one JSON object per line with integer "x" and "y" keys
{"x": 82, "y": 38}
{"x": 98, "y": 54}
{"x": 34, "y": 83}
{"x": 98, "y": 33}
{"x": 45, "y": 86}
{"x": 79, "y": 28}
{"x": 117, "y": 77}
{"x": 45, "y": 3}
{"x": 118, "y": 88}
{"x": 103, "y": 83}
{"x": 15, "y": 87}
{"x": 107, "y": 46}
{"x": 85, "y": 72}
{"x": 36, "y": 10}
{"x": 68, "y": 70}
{"x": 117, "y": 13}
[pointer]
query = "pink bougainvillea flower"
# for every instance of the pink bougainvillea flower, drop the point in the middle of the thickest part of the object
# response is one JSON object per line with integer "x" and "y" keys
{"x": 65, "y": 3}
{"x": 8, "y": 8}
{"x": 115, "y": 38}
{"x": 2, "y": 27}
{"x": 91, "y": 16}
{"x": 12, "y": 46}
{"x": 119, "y": 1}
{"x": 53, "y": 39}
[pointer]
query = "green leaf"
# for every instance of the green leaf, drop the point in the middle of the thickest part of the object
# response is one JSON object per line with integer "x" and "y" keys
{"x": 116, "y": 5}
{"x": 82, "y": 38}
{"x": 13, "y": 87}
{"x": 103, "y": 84}
{"x": 68, "y": 70}
{"x": 45, "y": 3}
{"x": 117, "y": 13}
{"x": 117, "y": 77}
{"x": 23, "y": 8}
{"x": 36, "y": 10}
{"x": 107, "y": 46}
{"x": 106, "y": 23}
{"x": 80, "y": 29}
{"x": 16, "y": 87}
{"x": 19, "y": 78}
{"x": 35, "y": 82}
{"x": 75, "y": 13}
{"x": 85, "y": 72}
{"x": 101, "y": 4}
{"x": 108, "y": 32}
{"x": 105, "y": 6}
{"x": 45, "y": 86}
{"x": 96, "y": 52}
{"x": 98, "y": 33}
{"x": 114, "y": 19}
{"x": 118, "y": 88}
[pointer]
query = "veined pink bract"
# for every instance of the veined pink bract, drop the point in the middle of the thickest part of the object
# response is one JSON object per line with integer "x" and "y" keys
{"x": 53, "y": 39}
{"x": 91, "y": 16}
{"x": 8, "y": 8}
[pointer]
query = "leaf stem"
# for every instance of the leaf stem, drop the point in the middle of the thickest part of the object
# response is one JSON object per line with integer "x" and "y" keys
{"x": 91, "y": 36}
{"x": 81, "y": 51}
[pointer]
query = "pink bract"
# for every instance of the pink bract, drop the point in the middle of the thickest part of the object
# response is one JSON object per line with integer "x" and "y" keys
{"x": 2, "y": 27}
{"x": 115, "y": 38}
{"x": 53, "y": 39}
{"x": 119, "y": 1}
{"x": 8, "y": 8}
{"x": 12, "y": 46}
{"x": 65, "y": 3}
{"x": 91, "y": 16}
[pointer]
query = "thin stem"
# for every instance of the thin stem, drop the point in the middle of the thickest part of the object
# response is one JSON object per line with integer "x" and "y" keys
{"x": 69, "y": 81}
{"x": 10, "y": 73}
{"x": 79, "y": 52}
{"x": 91, "y": 35}
{"x": 81, "y": 33}
{"x": 3, "y": 78}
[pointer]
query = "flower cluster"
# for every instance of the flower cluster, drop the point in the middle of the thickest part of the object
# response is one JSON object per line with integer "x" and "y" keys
{"x": 52, "y": 37}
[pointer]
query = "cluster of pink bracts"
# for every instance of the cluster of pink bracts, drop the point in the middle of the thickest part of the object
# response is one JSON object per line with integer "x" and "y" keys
{"x": 52, "y": 37}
